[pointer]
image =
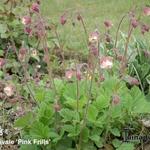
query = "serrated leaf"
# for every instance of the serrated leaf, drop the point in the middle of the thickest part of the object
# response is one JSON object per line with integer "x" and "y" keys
{"x": 126, "y": 146}
{"x": 92, "y": 113}
{"x": 115, "y": 132}
{"x": 24, "y": 121}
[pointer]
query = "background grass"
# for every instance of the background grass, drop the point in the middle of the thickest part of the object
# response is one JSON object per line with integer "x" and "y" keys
{"x": 95, "y": 12}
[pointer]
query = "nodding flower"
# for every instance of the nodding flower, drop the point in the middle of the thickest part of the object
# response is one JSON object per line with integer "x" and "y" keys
{"x": 2, "y": 62}
{"x": 79, "y": 17}
{"x": 115, "y": 99}
{"x": 28, "y": 30}
{"x": 134, "y": 22}
{"x": 146, "y": 11}
{"x": 94, "y": 36}
{"x": 78, "y": 74}
{"x": 57, "y": 107}
{"x": 63, "y": 19}
{"x": 35, "y": 7}
{"x": 108, "y": 24}
{"x": 69, "y": 74}
{"x": 144, "y": 28}
{"x": 26, "y": 20}
{"x": 131, "y": 80}
{"x": 106, "y": 62}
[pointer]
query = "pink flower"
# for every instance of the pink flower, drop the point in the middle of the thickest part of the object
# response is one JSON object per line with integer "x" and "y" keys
{"x": 147, "y": 53}
{"x": 57, "y": 107}
{"x": 94, "y": 50}
{"x": 131, "y": 80}
{"x": 144, "y": 28}
{"x": 2, "y": 62}
{"x": 101, "y": 78}
{"x": 63, "y": 19}
{"x": 35, "y": 7}
{"x": 106, "y": 62}
{"x": 9, "y": 90}
{"x": 78, "y": 75}
{"x": 94, "y": 36}
{"x": 26, "y": 20}
{"x": 69, "y": 74}
{"x": 22, "y": 54}
{"x": 115, "y": 100}
{"x": 28, "y": 30}
{"x": 134, "y": 23}
{"x": 146, "y": 11}
{"x": 108, "y": 24}
{"x": 79, "y": 17}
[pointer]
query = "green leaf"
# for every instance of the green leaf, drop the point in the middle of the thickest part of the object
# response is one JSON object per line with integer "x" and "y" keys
{"x": 126, "y": 146}
{"x": 115, "y": 132}
{"x": 24, "y": 121}
{"x": 69, "y": 115}
{"x": 97, "y": 140}
{"x": 116, "y": 143}
{"x": 29, "y": 147}
{"x": 3, "y": 28}
{"x": 102, "y": 102}
{"x": 92, "y": 113}
{"x": 39, "y": 130}
{"x": 85, "y": 134}
{"x": 73, "y": 130}
{"x": 45, "y": 113}
{"x": 139, "y": 103}
{"x": 73, "y": 103}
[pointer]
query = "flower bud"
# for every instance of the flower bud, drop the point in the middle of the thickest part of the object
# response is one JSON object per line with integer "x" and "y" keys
{"x": 35, "y": 7}
{"x": 2, "y": 62}
{"x": 63, "y": 19}
{"x": 134, "y": 23}
{"x": 115, "y": 100}
{"x": 78, "y": 75}
{"x": 57, "y": 107}
{"x": 108, "y": 24}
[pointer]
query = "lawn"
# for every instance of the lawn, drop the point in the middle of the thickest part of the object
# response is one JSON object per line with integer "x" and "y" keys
{"x": 95, "y": 12}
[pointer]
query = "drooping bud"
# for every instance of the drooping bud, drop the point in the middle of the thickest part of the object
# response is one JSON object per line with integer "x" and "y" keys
{"x": 145, "y": 28}
{"x": 115, "y": 99}
{"x": 94, "y": 36}
{"x": 134, "y": 23}
{"x": 78, "y": 74}
{"x": 79, "y": 17}
{"x": 28, "y": 30}
{"x": 101, "y": 78}
{"x": 57, "y": 107}
{"x": 2, "y": 62}
{"x": 63, "y": 19}
{"x": 22, "y": 54}
{"x": 131, "y": 80}
{"x": 35, "y": 7}
{"x": 108, "y": 24}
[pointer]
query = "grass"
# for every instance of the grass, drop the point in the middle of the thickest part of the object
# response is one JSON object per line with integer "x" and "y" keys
{"x": 94, "y": 12}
